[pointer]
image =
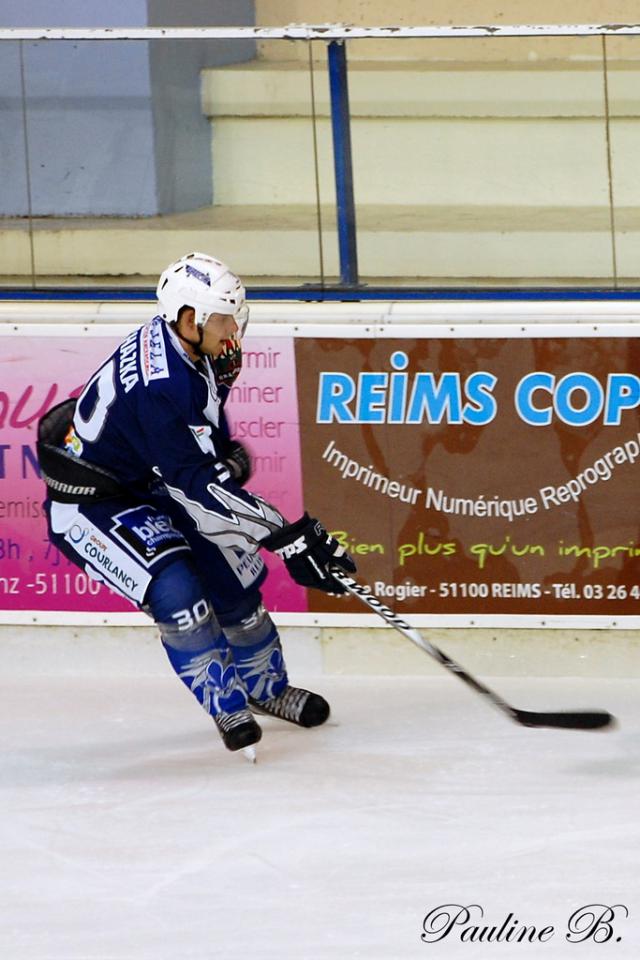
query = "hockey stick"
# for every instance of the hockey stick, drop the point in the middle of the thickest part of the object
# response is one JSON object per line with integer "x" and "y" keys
{"x": 569, "y": 719}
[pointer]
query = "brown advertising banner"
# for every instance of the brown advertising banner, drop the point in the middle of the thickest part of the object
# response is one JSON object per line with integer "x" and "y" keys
{"x": 478, "y": 475}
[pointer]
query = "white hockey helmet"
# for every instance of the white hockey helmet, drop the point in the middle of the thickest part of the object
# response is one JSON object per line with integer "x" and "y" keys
{"x": 205, "y": 284}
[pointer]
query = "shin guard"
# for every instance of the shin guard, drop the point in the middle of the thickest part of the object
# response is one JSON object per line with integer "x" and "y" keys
{"x": 193, "y": 639}
{"x": 257, "y": 653}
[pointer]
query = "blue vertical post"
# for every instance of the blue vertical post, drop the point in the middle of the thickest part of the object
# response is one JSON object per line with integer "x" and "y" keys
{"x": 343, "y": 165}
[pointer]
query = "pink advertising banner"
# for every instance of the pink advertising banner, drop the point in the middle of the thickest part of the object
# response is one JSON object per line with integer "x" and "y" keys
{"x": 36, "y": 372}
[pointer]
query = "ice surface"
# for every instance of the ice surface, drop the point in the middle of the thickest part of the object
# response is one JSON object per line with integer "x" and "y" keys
{"x": 129, "y": 833}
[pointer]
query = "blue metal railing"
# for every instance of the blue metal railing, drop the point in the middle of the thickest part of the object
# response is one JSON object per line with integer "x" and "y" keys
{"x": 342, "y": 162}
{"x": 328, "y": 294}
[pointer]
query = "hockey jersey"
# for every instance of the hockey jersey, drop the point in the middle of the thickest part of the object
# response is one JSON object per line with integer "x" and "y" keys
{"x": 151, "y": 414}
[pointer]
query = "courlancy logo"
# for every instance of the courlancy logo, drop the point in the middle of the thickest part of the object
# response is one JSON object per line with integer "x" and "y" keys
{"x": 539, "y": 398}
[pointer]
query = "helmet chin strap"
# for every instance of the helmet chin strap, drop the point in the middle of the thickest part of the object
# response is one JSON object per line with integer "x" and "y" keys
{"x": 197, "y": 347}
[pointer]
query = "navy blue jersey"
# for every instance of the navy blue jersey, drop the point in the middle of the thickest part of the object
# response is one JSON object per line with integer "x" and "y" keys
{"x": 151, "y": 414}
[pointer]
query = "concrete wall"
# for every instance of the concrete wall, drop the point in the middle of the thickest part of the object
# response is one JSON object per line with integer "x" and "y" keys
{"x": 444, "y": 12}
{"x": 113, "y": 128}
{"x": 182, "y": 135}
{"x": 88, "y": 119}
{"x": 13, "y": 168}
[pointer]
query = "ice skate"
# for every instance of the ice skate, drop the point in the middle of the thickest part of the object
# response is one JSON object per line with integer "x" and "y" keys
{"x": 302, "y": 707}
{"x": 238, "y": 730}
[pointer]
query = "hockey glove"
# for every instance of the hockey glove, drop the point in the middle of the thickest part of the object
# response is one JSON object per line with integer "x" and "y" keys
{"x": 238, "y": 460}
{"x": 308, "y": 551}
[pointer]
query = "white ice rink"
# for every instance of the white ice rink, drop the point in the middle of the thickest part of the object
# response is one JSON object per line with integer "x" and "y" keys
{"x": 129, "y": 833}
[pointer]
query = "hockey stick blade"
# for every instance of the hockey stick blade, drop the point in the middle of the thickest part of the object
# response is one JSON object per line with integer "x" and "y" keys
{"x": 565, "y": 720}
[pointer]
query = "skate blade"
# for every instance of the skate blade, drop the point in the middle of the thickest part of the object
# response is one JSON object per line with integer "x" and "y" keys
{"x": 249, "y": 754}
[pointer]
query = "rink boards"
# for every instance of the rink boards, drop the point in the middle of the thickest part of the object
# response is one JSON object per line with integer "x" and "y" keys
{"x": 479, "y": 459}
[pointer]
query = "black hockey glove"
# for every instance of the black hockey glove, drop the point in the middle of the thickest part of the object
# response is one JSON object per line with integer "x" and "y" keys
{"x": 238, "y": 459}
{"x": 308, "y": 551}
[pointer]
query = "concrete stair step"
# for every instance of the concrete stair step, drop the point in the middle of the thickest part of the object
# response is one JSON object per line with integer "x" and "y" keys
{"x": 445, "y": 134}
{"x": 421, "y": 242}
{"x": 409, "y": 88}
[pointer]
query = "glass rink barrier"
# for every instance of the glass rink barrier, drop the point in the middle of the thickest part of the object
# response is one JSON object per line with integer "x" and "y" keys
{"x": 319, "y": 156}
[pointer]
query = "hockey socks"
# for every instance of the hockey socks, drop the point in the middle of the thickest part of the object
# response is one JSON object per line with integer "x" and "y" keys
{"x": 199, "y": 653}
{"x": 257, "y": 654}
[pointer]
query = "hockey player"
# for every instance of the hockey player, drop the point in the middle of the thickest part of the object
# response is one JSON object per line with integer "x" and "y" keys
{"x": 145, "y": 492}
